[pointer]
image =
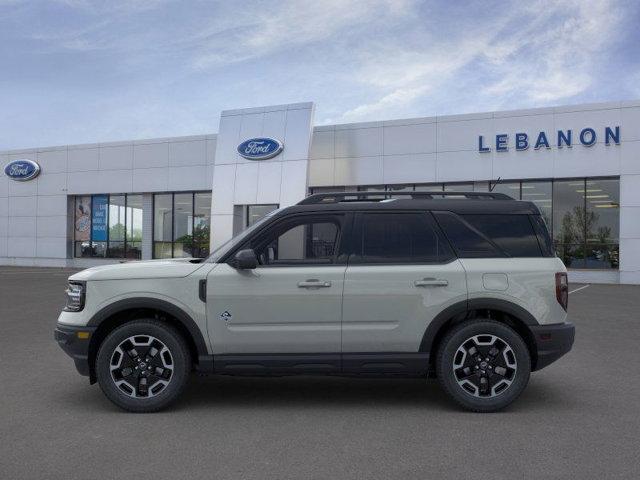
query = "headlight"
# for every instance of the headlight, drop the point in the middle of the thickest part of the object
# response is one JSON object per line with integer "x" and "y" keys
{"x": 75, "y": 296}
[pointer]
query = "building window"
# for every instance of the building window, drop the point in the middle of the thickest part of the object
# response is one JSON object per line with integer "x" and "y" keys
{"x": 108, "y": 226}
{"x": 181, "y": 224}
{"x": 257, "y": 212}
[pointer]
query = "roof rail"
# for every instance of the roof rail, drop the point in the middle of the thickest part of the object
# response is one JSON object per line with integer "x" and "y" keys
{"x": 338, "y": 197}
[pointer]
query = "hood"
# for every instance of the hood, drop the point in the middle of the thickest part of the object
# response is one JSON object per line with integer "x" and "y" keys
{"x": 169, "y": 268}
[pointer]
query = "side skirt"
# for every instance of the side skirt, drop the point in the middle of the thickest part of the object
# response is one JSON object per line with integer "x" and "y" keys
{"x": 346, "y": 364}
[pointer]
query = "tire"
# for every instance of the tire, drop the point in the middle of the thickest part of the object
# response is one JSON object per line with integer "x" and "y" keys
{"x": 460, "y": 368}
{"x": 148, "y": 346}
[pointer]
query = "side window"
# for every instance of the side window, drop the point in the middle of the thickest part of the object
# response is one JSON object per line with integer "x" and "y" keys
{"x": 544, "y": 239}
{"x": 467, "y": 242}
{"x": 514, "y": 234}
{"x": 305, "y": 240}
{"x": 400, "y": 238}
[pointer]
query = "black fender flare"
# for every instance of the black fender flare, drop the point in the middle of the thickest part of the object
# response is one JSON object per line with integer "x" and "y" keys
{"x": 156, "y": 304}
{"x": 461, "y": 308}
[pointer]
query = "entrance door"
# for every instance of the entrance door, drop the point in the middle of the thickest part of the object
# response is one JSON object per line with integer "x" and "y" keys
{"x": 289, "y": 304}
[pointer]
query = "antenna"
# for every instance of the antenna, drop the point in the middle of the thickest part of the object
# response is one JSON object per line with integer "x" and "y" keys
{"x": 494, "y": 185}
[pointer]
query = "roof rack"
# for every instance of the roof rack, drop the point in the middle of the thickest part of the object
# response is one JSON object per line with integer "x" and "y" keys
{"x": 338, "y": 197}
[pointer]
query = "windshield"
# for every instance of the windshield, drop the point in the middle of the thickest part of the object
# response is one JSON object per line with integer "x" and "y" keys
{"x": 219, "y": 252}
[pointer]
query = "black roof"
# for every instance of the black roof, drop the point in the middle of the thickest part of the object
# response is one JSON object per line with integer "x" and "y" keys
{"x": 458, "y": 202}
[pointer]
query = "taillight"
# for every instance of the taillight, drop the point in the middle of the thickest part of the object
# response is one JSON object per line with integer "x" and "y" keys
{"x": 562, "y": 289}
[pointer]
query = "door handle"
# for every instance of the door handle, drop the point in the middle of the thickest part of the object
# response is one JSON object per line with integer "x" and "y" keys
{"x": 313, "y": 283}
{"x": 431, "y": 282}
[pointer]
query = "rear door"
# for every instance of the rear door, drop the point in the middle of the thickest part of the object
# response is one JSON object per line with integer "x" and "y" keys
{"x": 401, "y": 274}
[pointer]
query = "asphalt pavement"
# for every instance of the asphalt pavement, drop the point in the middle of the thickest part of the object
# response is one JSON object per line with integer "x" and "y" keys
{"x": 578, "y": 418}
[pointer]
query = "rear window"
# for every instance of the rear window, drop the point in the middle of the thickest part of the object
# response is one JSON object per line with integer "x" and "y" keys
{"x": 513, "y": 234}
{"x": 400, "y": 238}
{"x": 467, "y": 241}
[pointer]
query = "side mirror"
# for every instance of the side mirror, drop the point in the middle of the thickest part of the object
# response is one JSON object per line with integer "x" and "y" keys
{"x": 245, "y": 260}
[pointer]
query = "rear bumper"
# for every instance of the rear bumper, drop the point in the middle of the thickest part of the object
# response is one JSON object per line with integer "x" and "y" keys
{"x": 77, "y": 347}
{"x": 552, "y": 342}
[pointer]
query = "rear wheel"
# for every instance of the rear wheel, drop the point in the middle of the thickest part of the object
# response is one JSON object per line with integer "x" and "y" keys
{"x": 483, "y": 365}
{"x": 143, "y": 365}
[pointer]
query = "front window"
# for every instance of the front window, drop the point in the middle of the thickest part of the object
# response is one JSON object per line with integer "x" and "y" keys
{"x": 108, "y": 226}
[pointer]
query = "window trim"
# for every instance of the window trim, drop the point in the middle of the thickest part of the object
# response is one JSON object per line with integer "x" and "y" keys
{"x": 356, "y": 233}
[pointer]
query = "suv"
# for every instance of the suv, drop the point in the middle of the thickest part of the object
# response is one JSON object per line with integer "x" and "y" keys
{"x": 463, "y": 286}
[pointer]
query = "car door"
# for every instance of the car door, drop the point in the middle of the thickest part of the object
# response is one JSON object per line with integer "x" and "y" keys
{"x": 290, "y": 303}
{"x": 401, "y": 274}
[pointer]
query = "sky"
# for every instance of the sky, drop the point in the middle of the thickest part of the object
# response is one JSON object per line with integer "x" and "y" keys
{"x": 80, "y": 71}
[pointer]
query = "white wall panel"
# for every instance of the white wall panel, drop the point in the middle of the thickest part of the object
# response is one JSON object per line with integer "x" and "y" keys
{"x": 358, "y": 142}
{"x": 105, "y": 181}
{"x": 4, "y": 206}
{"x": 151, "y": 155}
{"x": 52, "y": 226}
{"x": 188, "y": 153}
{"x": 22, "y": 207}
{"x": 408, "y": 168}
{"x": 358, "y": 171}
{"x": 4, "y": 226}
{"x": 52, "y": 161}
{"x": 629, "y": 157}
{"x": 463, "y": 166}
{"x": 50, "y": 247}
{"x": 322, "y": 144}
{"x": 405, "y": 139}
{"x": 83, "y": 159}
{"x": 269, "y": 182}
{"x": 630, "y": 124}
{"x": 188, "y": 178}
{"x": 52, "y": 183}
{"x": 297, "y": 135}
{"x": 51, "y": 205}
{"x": 246, "y": 184}
{"x": 117, "y": 157}
{"x": 463, "y": 135}
{"x": 150, "y": 180}
{"x": 22, "y": 227}
{"x": 21, "y": 246}
{"x": 321, "y": 172}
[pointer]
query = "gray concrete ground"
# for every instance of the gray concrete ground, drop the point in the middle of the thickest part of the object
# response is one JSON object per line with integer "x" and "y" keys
{"x": 579, "y": 418}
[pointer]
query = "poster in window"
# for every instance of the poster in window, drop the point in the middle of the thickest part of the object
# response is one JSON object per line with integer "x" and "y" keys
{"x": 83, "y": 219}
{"x": 99, "y": 218}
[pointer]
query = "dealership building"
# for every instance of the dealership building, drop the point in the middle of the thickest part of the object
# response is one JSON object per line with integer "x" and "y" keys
{"x": 84, "y": 205}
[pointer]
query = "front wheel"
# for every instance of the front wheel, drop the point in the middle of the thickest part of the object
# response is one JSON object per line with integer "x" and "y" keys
{"x": 143, "y": 365}
{"x": 483, "y": 365}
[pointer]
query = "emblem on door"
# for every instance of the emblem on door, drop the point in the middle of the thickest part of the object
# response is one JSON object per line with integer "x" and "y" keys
{"x": 226, "y": 316}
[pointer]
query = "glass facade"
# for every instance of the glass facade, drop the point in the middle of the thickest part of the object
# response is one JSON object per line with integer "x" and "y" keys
{"x": 108, "y": 226}
{"x": 583, "y": 215}
{"x": 181, "y": 224}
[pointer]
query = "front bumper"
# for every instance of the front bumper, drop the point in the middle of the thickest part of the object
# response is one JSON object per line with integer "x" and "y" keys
{"x": 552, "y": 342}
{"x": 75, "y": 343}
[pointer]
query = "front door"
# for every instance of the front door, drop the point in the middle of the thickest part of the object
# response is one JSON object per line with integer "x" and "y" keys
{"x": 291, "y": 303}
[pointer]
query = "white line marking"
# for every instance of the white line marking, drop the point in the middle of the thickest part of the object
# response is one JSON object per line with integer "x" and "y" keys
{"x": 578, "y": 289}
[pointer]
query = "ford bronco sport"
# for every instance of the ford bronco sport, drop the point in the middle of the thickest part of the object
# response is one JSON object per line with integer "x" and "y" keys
{"x": 461, "y": 286}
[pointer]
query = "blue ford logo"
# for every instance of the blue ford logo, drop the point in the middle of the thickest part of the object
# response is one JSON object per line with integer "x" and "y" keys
{"x": 22, "y": 170}
{"x": 260, "y": 148}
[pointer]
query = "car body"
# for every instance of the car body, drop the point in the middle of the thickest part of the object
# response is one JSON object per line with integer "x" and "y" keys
{"x": 344, "y": 285}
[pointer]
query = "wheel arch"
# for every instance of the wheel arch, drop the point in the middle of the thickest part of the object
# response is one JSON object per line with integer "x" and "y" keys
{"x": 502, "y": 311}
{"x": 123, "y": 311}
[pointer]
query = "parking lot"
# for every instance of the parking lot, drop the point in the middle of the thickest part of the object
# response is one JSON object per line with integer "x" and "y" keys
{"x": 579, "y": 418}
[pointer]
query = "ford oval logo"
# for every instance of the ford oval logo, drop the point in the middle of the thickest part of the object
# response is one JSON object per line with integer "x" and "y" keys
{"x": 260, "y": 148}
{"x": 22, "y": 170}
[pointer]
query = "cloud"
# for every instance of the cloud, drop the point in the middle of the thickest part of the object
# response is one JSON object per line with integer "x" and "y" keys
{"x": 541, "y": 53}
